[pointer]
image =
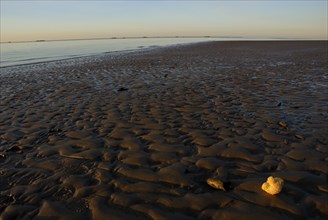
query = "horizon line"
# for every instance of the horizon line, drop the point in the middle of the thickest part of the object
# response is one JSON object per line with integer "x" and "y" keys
{"x": 152, "y": 37}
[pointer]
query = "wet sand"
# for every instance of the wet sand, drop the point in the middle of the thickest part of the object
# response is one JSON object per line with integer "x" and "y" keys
{"x": 136, "y": 136}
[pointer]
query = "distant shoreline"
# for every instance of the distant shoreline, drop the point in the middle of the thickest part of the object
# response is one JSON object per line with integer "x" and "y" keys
{"x": 117, "y": 38}
{"x": 154, "y": 37}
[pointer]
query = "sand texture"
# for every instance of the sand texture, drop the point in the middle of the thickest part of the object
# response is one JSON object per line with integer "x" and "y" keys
{"x": 137, "y": 136}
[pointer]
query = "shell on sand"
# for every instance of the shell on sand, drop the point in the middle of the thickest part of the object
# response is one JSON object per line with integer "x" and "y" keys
{"x": 299, "y": 137}
{"x": 283, "y": 124}
{"x": 273, "y": 185}
{"x": 215, "y": 183}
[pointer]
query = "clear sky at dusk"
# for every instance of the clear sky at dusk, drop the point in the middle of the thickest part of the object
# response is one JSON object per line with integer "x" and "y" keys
{"x": 31, "y": 20}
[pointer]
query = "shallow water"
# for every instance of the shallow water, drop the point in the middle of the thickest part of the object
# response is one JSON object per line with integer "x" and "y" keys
{"x": 35, "y": 52}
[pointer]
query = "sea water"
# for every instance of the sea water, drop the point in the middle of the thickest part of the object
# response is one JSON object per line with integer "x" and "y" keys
{"x": 19, "y": 53}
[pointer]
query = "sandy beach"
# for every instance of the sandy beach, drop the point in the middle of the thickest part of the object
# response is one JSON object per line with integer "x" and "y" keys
{"x": 137, "y": 135}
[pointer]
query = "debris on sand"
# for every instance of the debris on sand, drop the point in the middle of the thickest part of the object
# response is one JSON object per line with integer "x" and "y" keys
{"x": 122, "y": 89}
{"x": 299, "y": 137}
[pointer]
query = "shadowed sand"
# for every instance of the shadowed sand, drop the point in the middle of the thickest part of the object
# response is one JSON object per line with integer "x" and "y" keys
{"x": 136, "y": 136}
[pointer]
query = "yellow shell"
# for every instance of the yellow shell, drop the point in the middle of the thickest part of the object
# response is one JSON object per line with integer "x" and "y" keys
{"x": 215, "y": 183}
{"x": 273, "y": 185}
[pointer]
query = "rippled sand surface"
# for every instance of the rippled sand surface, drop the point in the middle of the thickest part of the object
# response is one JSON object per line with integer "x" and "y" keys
{"x": 137, "y": 136}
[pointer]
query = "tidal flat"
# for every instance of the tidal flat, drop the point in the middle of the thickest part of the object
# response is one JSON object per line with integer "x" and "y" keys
{"x": 137, "y": 135}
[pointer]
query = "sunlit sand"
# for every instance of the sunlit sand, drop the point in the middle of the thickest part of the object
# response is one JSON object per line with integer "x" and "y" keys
{"x": 137, "y": 136}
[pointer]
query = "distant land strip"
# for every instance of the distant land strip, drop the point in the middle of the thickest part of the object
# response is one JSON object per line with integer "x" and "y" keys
{"x": 151, "y": 37}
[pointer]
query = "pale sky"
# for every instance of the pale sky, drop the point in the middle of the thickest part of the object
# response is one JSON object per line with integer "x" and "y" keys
{"x": 23, "y": 20}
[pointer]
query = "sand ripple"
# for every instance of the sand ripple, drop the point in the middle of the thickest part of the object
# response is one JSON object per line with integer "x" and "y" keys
{"x": 136, "y": 136}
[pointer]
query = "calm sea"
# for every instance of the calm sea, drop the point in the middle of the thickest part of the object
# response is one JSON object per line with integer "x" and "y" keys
{"x": 35, "y": 52}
